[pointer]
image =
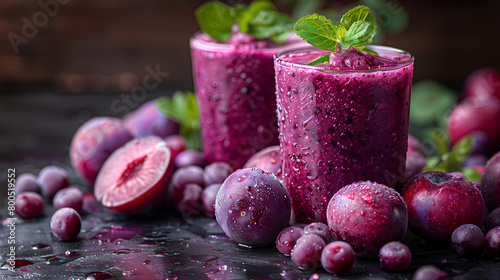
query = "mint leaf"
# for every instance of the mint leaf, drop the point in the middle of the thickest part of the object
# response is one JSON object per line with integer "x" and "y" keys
{"x": 270, "y": 24}
{"x": 325, "y": 58}
{"x": 357, "y": 35}
{"x": 245, "y": 15}
{"x": 461, "y": 151}
{"x": 183, "y": 108}
{"x": 440, "y": 141}
{"x": 472, "y": 174}
{"x": 215, "y": 19}
{"x": 370, "y": 51}
{"x": 359, "y": 13}
{"x": 318, "y": 31}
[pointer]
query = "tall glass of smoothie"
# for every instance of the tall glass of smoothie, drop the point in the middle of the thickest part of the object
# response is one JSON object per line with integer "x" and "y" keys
{"x": 235, "y": 88}
{"x": 341, "y": 122}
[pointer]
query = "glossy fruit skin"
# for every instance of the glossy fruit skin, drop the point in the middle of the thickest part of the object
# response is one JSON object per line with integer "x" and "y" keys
{"x": 307, "y": 251}
{"x": 337, "y": 257}
{"x": 380, "y": 210}
{"x": 439, "y": 202}
{"x": 29, "y": 205}
{"x": 51, "y": 179}
{"x": 149, "y": 120}
{"x": 142, "y": 169}
{"x": 268, "y": 159}
{"x": 287, "y": 238}
{"x": 26, "y": 182}
{"x": 189, "y": 199}
{"x": 252, "y": 207}
{"x": 429, "y": 272}
{"x": 190, "y": 157}
{"x": 94, "y": 142}
{"x": 187, "y": 175}
{"x": 492, "y": 219}
{"x": 484, "y": 82}
{"x": 490, "y": 182}
{"x": 217, "y": 172}
{"x": 70, "y": 197}
{"x": 176, "y": 143}
{"x": 66, "y": 223}
{"x": 394, "y": 257}
{"x": 320, "y": 229}
{"x": 415, "y": 162}
{"x": 468, "y": 241}
{"x": 208, "y": 197}
{"x": 493, "y": 241}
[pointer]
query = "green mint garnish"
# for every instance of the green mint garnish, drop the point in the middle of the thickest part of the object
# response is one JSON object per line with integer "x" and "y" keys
{"x": 182, "y": 108}
{"x": 259, "y": 19}
{"x": 357, "y": 28}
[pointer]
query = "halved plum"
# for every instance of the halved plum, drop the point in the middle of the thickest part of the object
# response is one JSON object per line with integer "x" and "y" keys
{"x": 135, "y": 177}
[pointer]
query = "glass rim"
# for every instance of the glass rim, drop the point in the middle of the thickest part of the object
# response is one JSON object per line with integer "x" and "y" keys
{"x": 307, "y": 49}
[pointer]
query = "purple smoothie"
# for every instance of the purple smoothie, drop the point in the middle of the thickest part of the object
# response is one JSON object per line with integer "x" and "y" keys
{"x": 234, "y": 84}
{"x": 341, "y": 122}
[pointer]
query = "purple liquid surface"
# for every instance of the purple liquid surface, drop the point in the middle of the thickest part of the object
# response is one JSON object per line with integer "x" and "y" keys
{"x": 338, "y": 127}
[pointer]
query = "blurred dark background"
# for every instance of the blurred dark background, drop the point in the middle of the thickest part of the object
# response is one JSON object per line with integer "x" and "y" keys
{"x": 65, "y": 61}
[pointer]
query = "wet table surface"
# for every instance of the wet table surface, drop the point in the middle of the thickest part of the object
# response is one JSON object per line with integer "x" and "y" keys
{"x": 36, "y": 130}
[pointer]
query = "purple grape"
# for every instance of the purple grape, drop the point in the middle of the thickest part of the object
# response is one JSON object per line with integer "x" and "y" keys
{"x": 70, "y": 197}
{"x": 307, "y": 252}
{"x": 337, "y": 257}
{"x": 493, "y": 241}
{"x": 27, "y": 183}
{"x": 190, "y": 157}
{"x": 429, "y": 272}
{"x": 29, "y": 205}
{"x": 208, "y": 197}
{"x": 149, "y": 120}
{"x": 217, "y": 172}
{"x": 189, "y": 199}
{"x": 187, "y": 175}
{"x": 252, "y": 207}
{"x": 492, "y": 219}
{"x": 287, "y": 239}
{"x": 394, "y": 257}
{"x": 66, "y": 223}
{"x": 52, "y": 179}
{"x": 468, "y": 241}
{"x": 320, "y": 229}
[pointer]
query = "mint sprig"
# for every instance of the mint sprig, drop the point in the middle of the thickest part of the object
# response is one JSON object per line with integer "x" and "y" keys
{"x": 182, "y": 108}
{"x": 259, "y": 19}
{"x": 356, "y": 28}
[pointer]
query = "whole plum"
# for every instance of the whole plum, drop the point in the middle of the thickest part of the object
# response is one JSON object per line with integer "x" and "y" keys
{"x": 490, "y": 182}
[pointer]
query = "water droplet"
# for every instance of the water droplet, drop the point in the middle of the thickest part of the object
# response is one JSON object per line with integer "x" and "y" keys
{"x": 146, "y": 262}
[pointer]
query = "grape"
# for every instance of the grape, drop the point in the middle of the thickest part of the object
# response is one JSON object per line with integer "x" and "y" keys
{"x": 26, "y": 183}
{"x": 52, "y": 179}
{"x": 190, "y": 157}
{"x": 337, "y": 257}
{"x": 429, "y": 272}
{"x": 66, "y": 223}
{"x": 468, "y": 241}
{"x": 287, "y": 239}
{"x": 29, "y": 205}
{"x": 208, "y": 197}
{"x": 189, "y": 199}
{"x": 394, "y": 257}
{"x": 70, "y": 197}
{"x": 307, "y": 252}
{"x": 320, "y": 229}
{"x": 217, "y": 172}
{"x": 493, "y": 241}
{"x": 187, "y": 175}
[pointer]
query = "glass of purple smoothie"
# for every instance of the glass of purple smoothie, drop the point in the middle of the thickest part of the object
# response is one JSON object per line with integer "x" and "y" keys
{"x": 340, "y": 122}
{"x": 235, "y": 88}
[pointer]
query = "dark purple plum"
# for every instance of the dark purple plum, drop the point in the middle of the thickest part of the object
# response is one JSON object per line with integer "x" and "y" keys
{"x": 394, "y": 257}
{"x": 337, "y": 257}
{"x": 439, "y": 202}
{"x": 252, "y": 207}
{"x": 188, "y": 199}
{"x": 268, "y": 159}
{"x": 29, "y": 205}
{"x": 415, "y": 162}
{"x": 51, "y": 179}
{"x": 287, "y": 238}
{"x": 190, "y": 157}
{"x": 429, "y": 272}
{"x": 307, "y": 251}
{"x": 187, "y": 175}
{"x": 320, "y": 229}
{"x": 380, "y": 210}
{"x": 490, "y": 182}
{"x": 483, "y": 82}
{"x": 26, "y": 182}
{"x": 94, "y": 142}
{"x": 492, "y": 239}
{"x": 149, "y": 120}
{"x": 70, "y": 197}
{"x": 217, "y": 172}
{"x": 468, "y": 241}
{"x": 66, "y": 223}
{"x": 492, "y": 219}
{"x": 176, "y": 143}
{"x": 208, "y": 197}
